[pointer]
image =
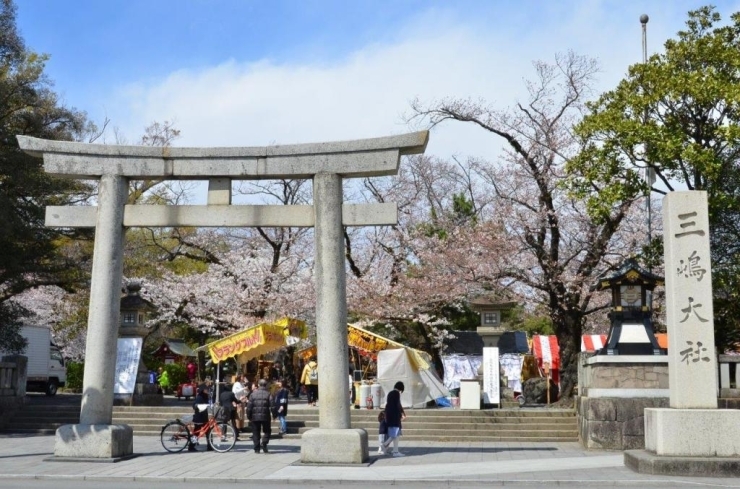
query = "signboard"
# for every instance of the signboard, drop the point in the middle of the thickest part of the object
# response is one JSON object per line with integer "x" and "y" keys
{"x": 127, "y": 365}
{"x": 257, "y": 340}
{"x": 491, "y": 376}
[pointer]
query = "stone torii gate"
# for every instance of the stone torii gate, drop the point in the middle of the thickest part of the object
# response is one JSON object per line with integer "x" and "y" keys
{"x": 326, "y": 163}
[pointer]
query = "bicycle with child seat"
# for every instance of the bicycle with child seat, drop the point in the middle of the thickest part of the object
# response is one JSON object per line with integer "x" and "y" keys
{"x": 176, "y": 434}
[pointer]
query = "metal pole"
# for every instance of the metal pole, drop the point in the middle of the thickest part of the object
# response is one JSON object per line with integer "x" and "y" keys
{"x": 648, "y": 170}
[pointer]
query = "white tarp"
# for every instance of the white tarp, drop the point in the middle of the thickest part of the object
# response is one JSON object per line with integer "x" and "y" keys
{"x": 460, "y": 367}
{"x": 420, "y": 385}
{"x": 512, "y": 365}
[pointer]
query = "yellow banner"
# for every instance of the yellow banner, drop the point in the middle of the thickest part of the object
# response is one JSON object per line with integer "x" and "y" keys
{"x": 261, "y": 338}
{"x": 293, "y": 327}
{"x": 373, "y": 343}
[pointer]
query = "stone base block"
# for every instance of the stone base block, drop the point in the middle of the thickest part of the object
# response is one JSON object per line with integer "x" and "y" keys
{"x": 692, "y": 432}
{"x": 614, "y": 423}
{"x": 334, "y": 446}
{"x": 109, "y": 442}
{"x": 644, "y": 462}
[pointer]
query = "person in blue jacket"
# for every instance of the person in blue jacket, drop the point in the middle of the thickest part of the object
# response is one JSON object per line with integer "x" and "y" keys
{"x": 280, "y": 409}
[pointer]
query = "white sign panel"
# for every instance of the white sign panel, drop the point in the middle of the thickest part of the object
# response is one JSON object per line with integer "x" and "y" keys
{"x": 127, "y": 365}
{"x": 491, "y": 376}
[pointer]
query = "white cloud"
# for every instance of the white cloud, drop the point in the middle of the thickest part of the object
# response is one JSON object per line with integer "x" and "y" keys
{"x": 365, "y": 94}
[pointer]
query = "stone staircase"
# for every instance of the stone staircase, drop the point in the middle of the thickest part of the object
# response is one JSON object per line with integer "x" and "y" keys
{"x": 41, "y": 419}
{"x": 509, "y": 424}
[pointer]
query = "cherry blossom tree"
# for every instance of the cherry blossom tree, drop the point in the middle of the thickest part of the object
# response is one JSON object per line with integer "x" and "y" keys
{"x": 554, "y": 250}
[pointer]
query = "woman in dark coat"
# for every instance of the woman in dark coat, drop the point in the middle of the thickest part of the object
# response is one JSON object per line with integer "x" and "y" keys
{"x": 394, "y": 414}
{"x": 200, "y": 417}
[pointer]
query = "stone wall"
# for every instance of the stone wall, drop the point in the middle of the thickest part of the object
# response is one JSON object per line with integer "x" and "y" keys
{"x": 12, "y": 386}
{"x": 613, "y": 393}
{"x": 614, "y": 423}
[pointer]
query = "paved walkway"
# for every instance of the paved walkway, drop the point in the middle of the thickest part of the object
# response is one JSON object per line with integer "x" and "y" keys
{"x": 22, "y": 456}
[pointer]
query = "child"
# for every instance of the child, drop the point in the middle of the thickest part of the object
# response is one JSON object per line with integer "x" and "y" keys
{"x": 281, "y": 406}
{"x": 382, "y": 432}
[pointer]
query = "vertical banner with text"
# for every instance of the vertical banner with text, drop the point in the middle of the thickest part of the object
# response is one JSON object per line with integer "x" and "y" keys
{"x": 127, "y": 365}
{"x": 491, "y": 376}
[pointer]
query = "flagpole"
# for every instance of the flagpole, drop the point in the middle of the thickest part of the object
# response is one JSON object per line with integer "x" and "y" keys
{"x": 648, "y": 170}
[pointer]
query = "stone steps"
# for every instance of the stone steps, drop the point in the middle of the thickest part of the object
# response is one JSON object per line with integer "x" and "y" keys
{"x": 528, "y": 424}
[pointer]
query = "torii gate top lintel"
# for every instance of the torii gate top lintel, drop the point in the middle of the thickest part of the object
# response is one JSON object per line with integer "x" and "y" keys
{"x": 370, "y": 157}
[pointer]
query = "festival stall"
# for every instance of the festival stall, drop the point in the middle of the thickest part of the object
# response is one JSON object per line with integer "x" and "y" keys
{"x": 256, "y": 341}
{"x": 407, "y": 365}
{"x": 393, "y": 362}
{"x": 547, "y": 352}
{"x": 465, "y": 355}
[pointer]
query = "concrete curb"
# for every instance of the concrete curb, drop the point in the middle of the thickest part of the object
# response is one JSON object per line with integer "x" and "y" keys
{"x": 421, "y": 483}
{"x": 644, "y": 462}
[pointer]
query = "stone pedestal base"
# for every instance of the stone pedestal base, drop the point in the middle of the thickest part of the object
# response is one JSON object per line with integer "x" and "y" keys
{"x": 334, "y": 446}
{"x": 692, "y": 442}
{"x": 693, "y": 432}
{"x": 644, "y": 462}
{"x": 102, "y": 442}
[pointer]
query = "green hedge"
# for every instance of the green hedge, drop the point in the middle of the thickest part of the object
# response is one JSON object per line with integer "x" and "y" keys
{"x": 176, "y": 374}
{"x": 75, "y": 373}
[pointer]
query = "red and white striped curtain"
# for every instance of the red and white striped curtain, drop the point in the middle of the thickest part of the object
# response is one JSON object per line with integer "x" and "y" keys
{"x": 593, "y": 342}
{"x": 546, "y": 349}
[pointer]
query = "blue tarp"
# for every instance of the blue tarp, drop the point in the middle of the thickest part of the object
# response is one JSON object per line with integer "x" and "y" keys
{"x": 513, "y": 342}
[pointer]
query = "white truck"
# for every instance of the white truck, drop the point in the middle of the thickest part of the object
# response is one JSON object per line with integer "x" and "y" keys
{"x": 46, "y": 371}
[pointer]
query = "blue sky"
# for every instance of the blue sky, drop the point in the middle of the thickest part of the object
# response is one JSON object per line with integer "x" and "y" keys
{"x": 249, "y": 73}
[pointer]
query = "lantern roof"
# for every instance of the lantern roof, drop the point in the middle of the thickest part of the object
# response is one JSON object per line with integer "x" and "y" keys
{"x": 486, "y": 303}
{"x": 630, "y": 273}
{"x": 133, "y": 301}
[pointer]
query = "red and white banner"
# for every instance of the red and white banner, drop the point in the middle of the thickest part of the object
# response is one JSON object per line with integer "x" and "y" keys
{"x": 593, "y": 342}
{"x": 546, "y": 349}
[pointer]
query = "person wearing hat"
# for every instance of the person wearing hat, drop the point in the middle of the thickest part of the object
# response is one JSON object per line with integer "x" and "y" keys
{"x": 259, "y": 413}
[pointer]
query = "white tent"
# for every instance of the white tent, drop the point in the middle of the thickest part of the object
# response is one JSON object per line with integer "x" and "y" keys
{"x": 421, "y": 385}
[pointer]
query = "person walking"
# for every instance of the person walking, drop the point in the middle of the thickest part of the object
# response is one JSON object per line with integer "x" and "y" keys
{"x": 310, "y": 378}
{"x": 281, "y": 406}
{"x": 164, "y": 381}
{"x": 382, "y": 432}
{"x": 240, "y": 391}
{"x": 229, "y": 404}
{"x": 259, "y": 413}
{"x": 200, "y": 415}
{"x": 191, "y": 371}
{"x": 394, "y": 414}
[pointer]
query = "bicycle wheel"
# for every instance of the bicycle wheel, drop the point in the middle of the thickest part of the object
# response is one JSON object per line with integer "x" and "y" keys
{"x": 222, "y": 437}
{"x": 175, "y": 436}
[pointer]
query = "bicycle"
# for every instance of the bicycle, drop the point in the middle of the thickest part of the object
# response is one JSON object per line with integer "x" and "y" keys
{"x": 176, "y": 434}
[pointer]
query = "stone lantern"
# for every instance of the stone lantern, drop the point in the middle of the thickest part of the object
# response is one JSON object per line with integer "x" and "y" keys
{"x": 631, "y": 331}
{"x": 134, "y": 314}
{"x": 491, "y": 327}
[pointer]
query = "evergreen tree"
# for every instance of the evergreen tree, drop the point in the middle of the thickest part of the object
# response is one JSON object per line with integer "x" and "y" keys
{"x": 28, "y": 106}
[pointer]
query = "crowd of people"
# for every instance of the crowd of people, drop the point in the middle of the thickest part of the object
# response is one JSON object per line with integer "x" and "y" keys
{"x": 258, "y": 403}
